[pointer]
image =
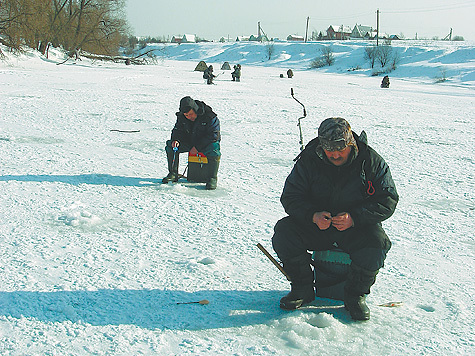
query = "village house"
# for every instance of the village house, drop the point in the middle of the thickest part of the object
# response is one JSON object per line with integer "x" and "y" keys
{"x": 183, "y": 39}
{"x": 295, "y": 38}
{"x": 338, "y": 32}
{"x": 360, "y": 31}
{"x": 188, "y": 38}
{"x": 176, "y": 39}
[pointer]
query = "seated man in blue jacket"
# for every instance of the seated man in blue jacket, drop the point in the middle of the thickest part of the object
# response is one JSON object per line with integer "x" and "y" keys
{"x": 196, "y": 130}
{"x": 337, "y": 194}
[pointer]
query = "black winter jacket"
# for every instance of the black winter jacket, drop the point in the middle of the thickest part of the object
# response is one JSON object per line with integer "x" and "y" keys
{"x": 362, "y": 187}
{"x": 199, "y": 133}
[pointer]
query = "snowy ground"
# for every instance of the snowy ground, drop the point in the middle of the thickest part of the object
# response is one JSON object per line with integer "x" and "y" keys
{"x": 95, "y": 254}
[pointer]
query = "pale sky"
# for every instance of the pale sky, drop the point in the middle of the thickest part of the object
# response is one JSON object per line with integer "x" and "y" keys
{"x": 278, "y": 18}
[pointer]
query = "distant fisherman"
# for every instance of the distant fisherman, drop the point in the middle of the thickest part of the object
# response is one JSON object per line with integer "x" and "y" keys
{"x": 385, "y": 82}
{"x": 208, "y": 75}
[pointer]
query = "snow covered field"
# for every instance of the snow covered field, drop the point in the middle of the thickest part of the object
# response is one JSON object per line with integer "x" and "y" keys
{"x": 95, "y": 254}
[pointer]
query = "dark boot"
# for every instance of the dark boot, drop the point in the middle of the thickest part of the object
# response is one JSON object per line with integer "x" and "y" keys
{"x": 302, "y": 283}
{"x": 173, "y": 162}
{"x": 357, "y": 286}
{"x": 213, "y": 167}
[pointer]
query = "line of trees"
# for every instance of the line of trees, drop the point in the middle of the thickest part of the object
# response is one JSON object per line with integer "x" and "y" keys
{"x": 95, "y": 26}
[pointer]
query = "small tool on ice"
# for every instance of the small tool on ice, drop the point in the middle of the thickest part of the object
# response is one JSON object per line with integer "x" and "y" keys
{"x": 391, "y": 304}
{"x": 125, "y": 131}
{"x": 202, "y": 302}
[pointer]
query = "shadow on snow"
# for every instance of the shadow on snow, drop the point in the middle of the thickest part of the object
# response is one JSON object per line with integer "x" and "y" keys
{"x": 158, "y": 309}
{"x": 98, "y": 179}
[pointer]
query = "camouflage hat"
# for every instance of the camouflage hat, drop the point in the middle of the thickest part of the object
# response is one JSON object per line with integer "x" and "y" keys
{"x": 335, "y": 134}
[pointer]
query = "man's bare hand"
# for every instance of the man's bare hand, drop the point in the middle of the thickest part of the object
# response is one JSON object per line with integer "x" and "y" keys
{"x": 342, "y": 221}
{"x": 322, "y": 219}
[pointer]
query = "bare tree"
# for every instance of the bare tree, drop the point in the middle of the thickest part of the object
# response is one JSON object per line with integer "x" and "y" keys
{"x": 384, "y": 53}
{"x": 97, "y": 26}
{"x": 326, "y": 58}
{"x": 371, "y": 53}
{"x": 327, "y": 55}
{"x": 270, "y": 49}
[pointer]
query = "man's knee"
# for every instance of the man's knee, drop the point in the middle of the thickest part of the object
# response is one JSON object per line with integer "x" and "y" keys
{"x": 369, "y": 250}
{"x": 212, "y": 150}
{"x": 369, "y": 258}
{"x": 280, "y": 239}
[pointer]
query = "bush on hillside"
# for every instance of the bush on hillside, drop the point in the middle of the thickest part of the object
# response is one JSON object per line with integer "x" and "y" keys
{"x": 442, "y": 76}
{"x": 371, "y": 53}
{"x": 326, "y": 58}
{"x": 270, "y": 49}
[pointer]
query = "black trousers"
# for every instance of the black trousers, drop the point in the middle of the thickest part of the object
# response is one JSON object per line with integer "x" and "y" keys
{"x": 366, "y": 245}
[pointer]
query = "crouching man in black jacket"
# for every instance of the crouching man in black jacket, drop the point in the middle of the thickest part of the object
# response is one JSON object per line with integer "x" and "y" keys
{"x": 196, "y": 130}
{"x": 337, "y": 194}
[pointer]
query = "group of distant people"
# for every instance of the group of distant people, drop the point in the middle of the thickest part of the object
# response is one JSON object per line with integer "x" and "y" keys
{"x": 236, "y": 75}
{"x": 209, "y": 76}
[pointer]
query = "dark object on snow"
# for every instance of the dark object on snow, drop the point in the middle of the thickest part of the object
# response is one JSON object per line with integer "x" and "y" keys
{"x": 236, "y": 75}
{"x": 385, "y": 82}
{"x": 281, "y": 75}
{"x": 125, "y": 131}
{"x": 226, "y": 66}
{"x": 202, "y": 169}
{"x": 290, "y": 73}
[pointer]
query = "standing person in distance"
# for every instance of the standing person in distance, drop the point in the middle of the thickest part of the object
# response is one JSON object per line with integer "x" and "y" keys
{"x": 337, "y": 194}
{"x": 197, "y": 129}
{"x": 236, "y": 75}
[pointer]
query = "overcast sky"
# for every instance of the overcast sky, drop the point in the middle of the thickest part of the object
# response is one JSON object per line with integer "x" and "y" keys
{"x": 279, "y": 18}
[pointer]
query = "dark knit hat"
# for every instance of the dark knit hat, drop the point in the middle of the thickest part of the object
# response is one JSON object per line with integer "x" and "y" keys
{"x": 186, "y": 104}
{"x": 335, "y": 134}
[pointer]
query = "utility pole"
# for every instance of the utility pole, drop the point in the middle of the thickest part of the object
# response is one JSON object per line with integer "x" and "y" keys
{"x": 377, "y": 27}
{"x": 306, "y": 31}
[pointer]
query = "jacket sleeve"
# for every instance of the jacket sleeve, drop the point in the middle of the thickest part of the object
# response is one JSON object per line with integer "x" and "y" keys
{"x": 296, "y": 195}
{"x": 179, "y": 132}
{"x": 382, "y": 196}
{"x": 211, "y": 134}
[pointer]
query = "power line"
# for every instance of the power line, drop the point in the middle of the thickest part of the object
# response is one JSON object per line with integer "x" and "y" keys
{"x": 433, "y": 8}
{"x": 338, "y": 18}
